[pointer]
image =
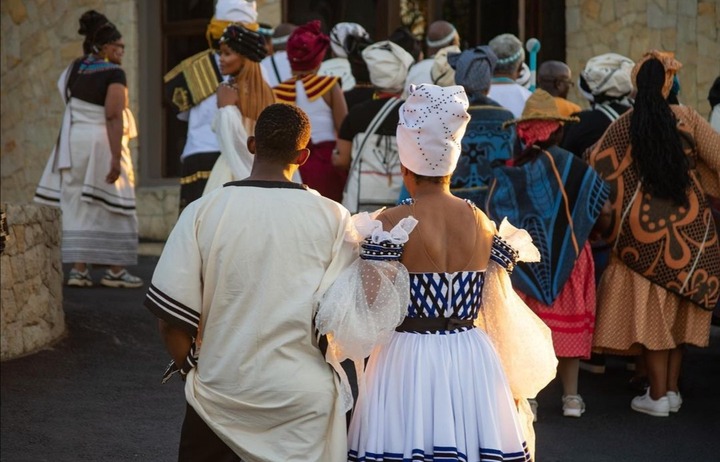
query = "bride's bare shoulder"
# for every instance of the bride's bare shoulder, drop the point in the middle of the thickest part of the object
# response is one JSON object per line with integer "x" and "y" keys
{"x": 391, "y": 216}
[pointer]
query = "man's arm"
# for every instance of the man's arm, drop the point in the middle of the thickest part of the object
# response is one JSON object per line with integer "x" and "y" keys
{"x": 177, "y": 341}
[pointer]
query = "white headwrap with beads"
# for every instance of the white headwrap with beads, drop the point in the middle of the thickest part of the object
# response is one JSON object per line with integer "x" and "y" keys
{"x": 431, "y": 125}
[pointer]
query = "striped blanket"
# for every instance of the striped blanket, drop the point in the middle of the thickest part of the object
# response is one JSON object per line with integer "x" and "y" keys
{"x": 557, "y": 198}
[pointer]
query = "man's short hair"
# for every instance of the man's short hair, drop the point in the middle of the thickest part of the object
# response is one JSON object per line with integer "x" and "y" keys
{"x": 281, "y": 130}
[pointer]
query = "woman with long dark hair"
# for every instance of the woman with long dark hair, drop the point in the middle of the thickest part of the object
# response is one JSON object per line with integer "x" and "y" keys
{"x": 663, "y": 280}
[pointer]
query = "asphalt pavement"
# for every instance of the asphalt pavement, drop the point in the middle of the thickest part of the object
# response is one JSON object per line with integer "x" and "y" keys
{"x": 96, "y": 396}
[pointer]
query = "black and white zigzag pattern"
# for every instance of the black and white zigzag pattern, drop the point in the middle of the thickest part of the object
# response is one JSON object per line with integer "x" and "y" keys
{"x": 445, "y": 295}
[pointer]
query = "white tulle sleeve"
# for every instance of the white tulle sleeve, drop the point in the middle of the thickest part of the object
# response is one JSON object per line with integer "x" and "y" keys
{"x": 522, "y": 340}
{"x": 369, "y": 298}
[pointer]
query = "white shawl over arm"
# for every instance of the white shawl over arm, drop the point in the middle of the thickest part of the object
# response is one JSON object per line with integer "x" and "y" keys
{"x": 235, "y": 161}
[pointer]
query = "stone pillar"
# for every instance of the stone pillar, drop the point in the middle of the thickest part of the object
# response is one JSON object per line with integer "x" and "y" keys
{"x": 31, "y": 312}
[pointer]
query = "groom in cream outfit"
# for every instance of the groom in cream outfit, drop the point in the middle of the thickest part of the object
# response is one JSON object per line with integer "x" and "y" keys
{"x": 235, "y": 292}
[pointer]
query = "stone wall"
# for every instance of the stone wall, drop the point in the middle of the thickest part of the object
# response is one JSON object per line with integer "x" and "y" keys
{"x": 157, "y": 211}
{"x": 269, "y": 11}
{"x": 39, "y": 40}
{"x": 630, "y": 27}
{"x": 31, "y": 313}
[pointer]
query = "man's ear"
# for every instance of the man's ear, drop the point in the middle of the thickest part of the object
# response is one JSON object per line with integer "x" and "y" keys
{"x": 251, "y": 144}
{"x": 303, "y": 156}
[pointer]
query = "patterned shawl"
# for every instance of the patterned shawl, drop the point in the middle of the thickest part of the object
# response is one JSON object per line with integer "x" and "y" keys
{"x": 557, "y": 198}
{"x": 674, "y": 247}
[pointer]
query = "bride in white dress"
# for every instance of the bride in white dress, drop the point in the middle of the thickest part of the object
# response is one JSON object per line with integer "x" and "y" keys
{"x": 436, "y": 386}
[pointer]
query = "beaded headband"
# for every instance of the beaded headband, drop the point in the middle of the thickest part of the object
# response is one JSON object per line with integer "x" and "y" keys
{"x": 443, "y": 41}
{"x": 511, "y": 59}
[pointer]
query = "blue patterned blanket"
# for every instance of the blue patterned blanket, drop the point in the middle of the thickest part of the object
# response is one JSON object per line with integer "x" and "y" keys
{"x": 557, "y": 198}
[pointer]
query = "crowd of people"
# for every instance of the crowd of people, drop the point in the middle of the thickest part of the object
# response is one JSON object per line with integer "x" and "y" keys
{"x": 425, "y": 220}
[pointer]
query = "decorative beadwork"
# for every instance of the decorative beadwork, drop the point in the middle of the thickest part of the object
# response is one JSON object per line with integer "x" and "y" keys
{"x": 504, "y": 255}
{"x": 384, "y": 251}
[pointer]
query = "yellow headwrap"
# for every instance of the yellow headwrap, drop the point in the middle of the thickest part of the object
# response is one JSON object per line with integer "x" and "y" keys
{"x": 671, "y": 65}
{"x": 217, "y": 26}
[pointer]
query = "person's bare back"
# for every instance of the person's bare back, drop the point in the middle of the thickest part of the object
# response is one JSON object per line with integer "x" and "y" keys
{"x": 450, "y": 236}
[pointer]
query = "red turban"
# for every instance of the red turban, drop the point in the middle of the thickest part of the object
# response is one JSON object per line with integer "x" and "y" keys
{"x": 306, "y": 47}
{"x": 536, "y": 131}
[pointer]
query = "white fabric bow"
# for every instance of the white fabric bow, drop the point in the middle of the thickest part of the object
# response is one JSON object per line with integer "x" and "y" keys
{"x": 520, "y": 240}
{"x": 364, "y": 225}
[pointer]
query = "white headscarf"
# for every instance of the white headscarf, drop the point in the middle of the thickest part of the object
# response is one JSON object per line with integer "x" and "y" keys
{"x": 431, "y": 126}
{"x": 388, "y": 64}
{"x": 243, "y": 11}
{"x": 608, "y": 74}
{"x": 340, "y": 32}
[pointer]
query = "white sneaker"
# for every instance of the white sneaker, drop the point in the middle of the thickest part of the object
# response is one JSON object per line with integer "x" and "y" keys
{"x": 654, "y": 407}
{"x": 573, "y": 405}
{"x": 79, "y": 278}
{"x": 123, "y": 279}
{"x": 675, "y": 400}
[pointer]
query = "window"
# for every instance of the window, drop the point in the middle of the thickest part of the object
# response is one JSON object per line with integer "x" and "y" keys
{"x": 331, "y": 12}
{"x": 479, "y": 21}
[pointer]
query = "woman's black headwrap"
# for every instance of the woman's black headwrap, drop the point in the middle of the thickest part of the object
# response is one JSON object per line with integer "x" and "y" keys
{"x": 403, "y": 37}
{"x": 245, "y": 42}
{"x": 353, "y": 47}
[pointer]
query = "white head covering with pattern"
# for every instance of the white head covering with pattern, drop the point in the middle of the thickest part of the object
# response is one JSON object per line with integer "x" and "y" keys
{"x": 431, "y": 126}
{"x": 388, "y": 64}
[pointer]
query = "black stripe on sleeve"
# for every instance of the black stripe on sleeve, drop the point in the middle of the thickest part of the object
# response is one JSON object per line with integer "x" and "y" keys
{"x": 172, "y": 311}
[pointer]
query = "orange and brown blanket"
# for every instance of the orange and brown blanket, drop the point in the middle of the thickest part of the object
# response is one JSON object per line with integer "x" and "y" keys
{"x": 673, "y": 246}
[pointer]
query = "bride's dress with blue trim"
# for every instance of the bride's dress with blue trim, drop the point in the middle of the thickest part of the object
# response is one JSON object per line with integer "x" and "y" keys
{"x": 456, "y": 392}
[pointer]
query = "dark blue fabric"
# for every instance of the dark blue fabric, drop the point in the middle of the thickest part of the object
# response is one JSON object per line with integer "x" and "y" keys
{"x": 485, "y": 143}
{"x": 532, "y": 198}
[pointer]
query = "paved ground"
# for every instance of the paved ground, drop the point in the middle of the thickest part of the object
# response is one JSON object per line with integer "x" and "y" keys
{"x": 96, "y": 396}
